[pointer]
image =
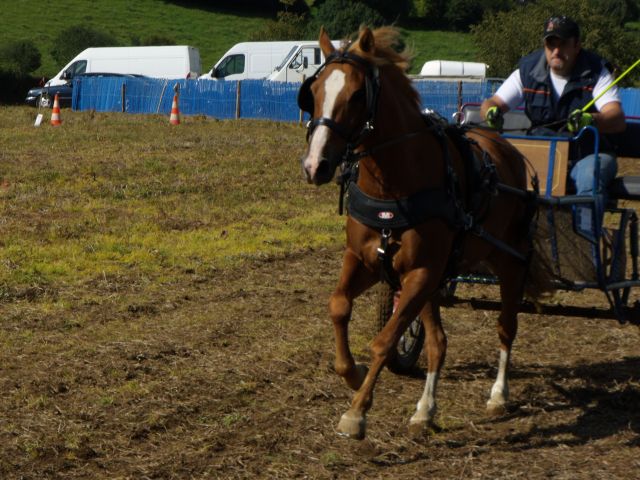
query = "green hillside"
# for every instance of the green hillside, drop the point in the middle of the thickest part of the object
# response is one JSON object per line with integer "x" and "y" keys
{"x": 213, "y": 32}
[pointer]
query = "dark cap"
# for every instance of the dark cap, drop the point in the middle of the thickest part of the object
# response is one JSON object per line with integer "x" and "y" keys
{"x": 561, "y": 26}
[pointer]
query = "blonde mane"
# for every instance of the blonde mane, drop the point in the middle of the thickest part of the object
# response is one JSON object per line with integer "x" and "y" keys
{"x": 387, "y": 41}
{"x": 385, "y": 55}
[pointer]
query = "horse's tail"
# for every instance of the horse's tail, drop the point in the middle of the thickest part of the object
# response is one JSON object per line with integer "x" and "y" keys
{"x": 539, "y": 283}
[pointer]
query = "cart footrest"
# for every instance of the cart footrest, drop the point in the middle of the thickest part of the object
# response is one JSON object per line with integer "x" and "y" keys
{"x": 625, "y": 188}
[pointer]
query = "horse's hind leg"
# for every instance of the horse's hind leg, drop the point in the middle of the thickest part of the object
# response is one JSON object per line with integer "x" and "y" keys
{"x": 511, "y": 291}
{"x": 435, "y": 345}
{"x": 354, "y": 279}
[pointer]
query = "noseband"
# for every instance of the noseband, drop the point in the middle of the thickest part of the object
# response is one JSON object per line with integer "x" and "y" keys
{"x": 372, "y": 90}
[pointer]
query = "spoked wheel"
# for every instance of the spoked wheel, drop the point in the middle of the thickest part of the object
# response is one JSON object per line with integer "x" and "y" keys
{"x": 409, "y": 347}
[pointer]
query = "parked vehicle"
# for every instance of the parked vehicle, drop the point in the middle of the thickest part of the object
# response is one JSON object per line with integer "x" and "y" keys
{"x": 301, "y": 62}
{"x": 249, "y": 60}
{"x": 280, "y": 61}
{"x": 174, "y": 61}
{"x": 43, "y": 96}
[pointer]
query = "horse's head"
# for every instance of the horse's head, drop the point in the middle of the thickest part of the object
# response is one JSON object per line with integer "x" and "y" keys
{"x": 341, "y": 98}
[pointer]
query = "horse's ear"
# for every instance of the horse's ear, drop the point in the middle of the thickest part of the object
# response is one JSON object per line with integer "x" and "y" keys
{"x": 325, "y": 43}
{"x": 366, "y": 40}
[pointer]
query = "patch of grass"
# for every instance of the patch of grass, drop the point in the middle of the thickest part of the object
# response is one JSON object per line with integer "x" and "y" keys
{"x": 439, "y": 45}
{"x": 77, "y": 207}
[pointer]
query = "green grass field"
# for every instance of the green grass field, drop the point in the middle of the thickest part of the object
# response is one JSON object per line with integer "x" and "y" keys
{"x": 213, "y": 32}
{"x": 112, "y": 195}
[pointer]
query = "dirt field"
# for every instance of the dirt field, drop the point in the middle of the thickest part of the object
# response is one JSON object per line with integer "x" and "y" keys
{"x": 229, "y": 375}
{"x": 131, "y": 349}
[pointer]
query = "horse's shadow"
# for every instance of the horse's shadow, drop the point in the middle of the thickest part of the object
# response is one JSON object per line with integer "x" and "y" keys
{"x": 607, "y": 398}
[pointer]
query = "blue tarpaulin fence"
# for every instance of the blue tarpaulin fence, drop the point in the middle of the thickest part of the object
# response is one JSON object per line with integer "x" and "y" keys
{"x": 259, "y": 99}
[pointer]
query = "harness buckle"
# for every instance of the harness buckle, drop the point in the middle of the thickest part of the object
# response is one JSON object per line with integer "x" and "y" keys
{"x": 385, "y": 235}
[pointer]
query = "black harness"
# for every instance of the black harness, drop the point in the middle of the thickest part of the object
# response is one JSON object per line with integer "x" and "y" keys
{"x": 462, "y": 211}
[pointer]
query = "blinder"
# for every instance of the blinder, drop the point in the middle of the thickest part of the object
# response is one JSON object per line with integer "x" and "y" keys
{"x": 305, "y": 97}
{"x": 372, "y": 87}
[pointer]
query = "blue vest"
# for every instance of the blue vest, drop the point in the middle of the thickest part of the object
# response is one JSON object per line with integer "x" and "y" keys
{"x": 540, "y": 105}
{"x": 543, "y": 108}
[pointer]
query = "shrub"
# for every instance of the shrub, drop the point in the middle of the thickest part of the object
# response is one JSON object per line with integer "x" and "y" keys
{"x": 342, "y": 18}
{"x": 288, "y": 26}
{"x": 21, "y": 57}
{"x": 71, "y": 41}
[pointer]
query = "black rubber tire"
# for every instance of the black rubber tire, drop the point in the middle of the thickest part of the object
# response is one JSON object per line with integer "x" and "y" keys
{"x": 407, "y": 352}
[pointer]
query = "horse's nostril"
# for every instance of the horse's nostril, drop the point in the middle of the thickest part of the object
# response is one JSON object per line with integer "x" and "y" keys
{"x": 323, "y": 172}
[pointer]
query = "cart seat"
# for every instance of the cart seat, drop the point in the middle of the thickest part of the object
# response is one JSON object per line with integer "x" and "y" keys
{"x": 625, "y": 188}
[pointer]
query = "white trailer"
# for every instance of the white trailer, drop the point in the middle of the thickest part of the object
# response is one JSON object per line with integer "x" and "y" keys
{"x": 450, "y": 68}
{"x": 173, "y": 61}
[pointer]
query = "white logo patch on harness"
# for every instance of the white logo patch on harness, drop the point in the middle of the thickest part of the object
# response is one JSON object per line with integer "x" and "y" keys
{"x": 385, "y": 215}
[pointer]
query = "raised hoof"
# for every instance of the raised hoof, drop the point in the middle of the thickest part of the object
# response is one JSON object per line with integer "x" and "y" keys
{"x": 496, "y": 409}
{"x": 352, "y": 426}
{"x": 357, "y": 377}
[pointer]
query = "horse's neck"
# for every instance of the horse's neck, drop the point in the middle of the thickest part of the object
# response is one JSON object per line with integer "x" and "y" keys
{"x": 412, "y": 164}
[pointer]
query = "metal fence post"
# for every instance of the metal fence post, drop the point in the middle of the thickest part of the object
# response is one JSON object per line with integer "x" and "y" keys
{"x": 238, "y": 92}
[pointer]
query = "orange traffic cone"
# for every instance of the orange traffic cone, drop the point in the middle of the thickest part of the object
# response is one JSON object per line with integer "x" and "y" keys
{"x": 55, "y": 112}
{"x": 174, "y": 119}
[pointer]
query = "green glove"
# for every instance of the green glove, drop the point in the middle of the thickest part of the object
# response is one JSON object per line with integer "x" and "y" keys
{"x": 494, "y": 118}
{"x": 578, "y": 120}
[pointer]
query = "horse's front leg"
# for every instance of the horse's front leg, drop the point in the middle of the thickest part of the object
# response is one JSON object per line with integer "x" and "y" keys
{"x": 435, "y": 346}
{"x": 414, "y": 294}
{"x": 354, "y": 279}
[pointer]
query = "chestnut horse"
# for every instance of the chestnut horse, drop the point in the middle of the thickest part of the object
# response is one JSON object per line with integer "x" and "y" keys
{"x": 411, "y": 174}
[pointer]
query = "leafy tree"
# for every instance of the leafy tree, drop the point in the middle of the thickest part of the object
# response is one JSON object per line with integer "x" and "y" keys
{"x": 71, "y": 41}
{"x": 342, "y": 18}
{"x": 506, "y": 36}
{"x": 391, "y": 10}
{"x": 20, "y": 57}
{"x": 461, "y": 14}
{"x": 288, "y": 26}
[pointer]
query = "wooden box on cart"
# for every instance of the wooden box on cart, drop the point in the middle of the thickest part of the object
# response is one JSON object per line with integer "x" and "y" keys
{"x": 542, "y": 153}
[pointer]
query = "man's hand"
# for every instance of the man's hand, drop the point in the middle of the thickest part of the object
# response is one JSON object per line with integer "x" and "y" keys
{"x": 578, "y": 120}
{"x": 495, "y": 118}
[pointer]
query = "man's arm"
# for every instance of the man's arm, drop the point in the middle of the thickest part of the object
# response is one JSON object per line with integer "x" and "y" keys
{"x": 610, "y": 118}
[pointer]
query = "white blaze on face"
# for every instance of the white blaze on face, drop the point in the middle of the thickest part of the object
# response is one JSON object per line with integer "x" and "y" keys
{"x": 333, "y": 85}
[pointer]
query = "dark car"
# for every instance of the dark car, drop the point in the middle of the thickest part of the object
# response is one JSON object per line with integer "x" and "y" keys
{"x": 43, "y": 96}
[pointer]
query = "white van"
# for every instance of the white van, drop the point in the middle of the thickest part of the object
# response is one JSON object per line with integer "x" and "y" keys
{"x": 174, "y": 61}
{"x": 249, "y": 60}
{"x": 286, "y": 61}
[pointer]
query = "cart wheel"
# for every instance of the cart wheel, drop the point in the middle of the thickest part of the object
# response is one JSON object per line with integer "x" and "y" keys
{"x": 409, "y": 346}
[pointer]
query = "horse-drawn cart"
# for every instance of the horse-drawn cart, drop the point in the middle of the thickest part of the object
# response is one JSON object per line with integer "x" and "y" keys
{"x": 590, "y": 242}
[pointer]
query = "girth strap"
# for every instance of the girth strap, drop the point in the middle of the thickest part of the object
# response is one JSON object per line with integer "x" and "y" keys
{"x": 403, "y": 212}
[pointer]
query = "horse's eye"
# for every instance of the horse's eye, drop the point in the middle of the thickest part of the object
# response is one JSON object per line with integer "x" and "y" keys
{"x": 358, "y": 96}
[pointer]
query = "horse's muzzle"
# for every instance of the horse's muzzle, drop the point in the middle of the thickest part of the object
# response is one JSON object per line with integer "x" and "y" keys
{"x": 321, "y": 174}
